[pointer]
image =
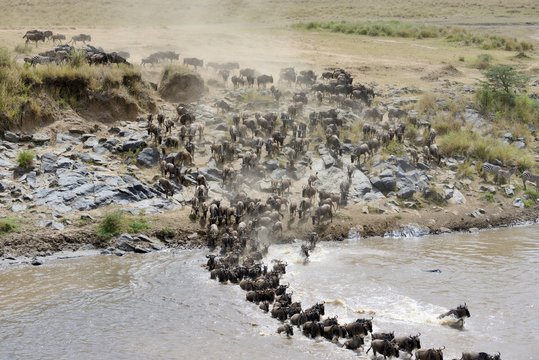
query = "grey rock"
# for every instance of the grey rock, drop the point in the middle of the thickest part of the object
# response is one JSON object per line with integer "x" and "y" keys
{"x": 518, "y": 203}
{"x": 36, "y": 262}
{"x": 457, "y": 198}
{"x": 76, "y": 131}
{"x": 57, "y": 226}
{"x": 271, "y": 164}
{"x": 90, "y": 142}
{"x": 520, "y": 144}
{"x": 406, "y": 192}
{"x": 384, "y": 184}
{"x": 41, "y": 139}
{"x": 93, "y": 158}
{"x": 148, "y": 157}
{"x": 509, "y": 190}
{"x": 18, "y": 208}
{"x": 48, "y": 162}
{"x": 11, "y": 137}
{"x": 133, "y": 145}
{"x": 221, "y": 127}
{"x": 87, "y": 217}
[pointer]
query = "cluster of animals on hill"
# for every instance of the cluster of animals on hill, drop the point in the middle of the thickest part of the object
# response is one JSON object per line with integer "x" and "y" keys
{"x": 264, "y": 289}
{"x": 63, "y": 53}
{"x": 47, "y": 35}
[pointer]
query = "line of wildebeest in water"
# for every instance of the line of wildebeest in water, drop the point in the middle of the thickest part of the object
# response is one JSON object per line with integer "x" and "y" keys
{"x": 263, "y": 287}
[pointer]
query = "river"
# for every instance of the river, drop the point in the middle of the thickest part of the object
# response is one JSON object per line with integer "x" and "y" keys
{"x": 164, "y": 306}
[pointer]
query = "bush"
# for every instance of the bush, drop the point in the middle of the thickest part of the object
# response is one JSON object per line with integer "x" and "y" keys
{"x": 532, "y": 194}
{"x": 25, "y": 159}
{"x": 427, "y": 104}
{"x": 138, "y": 225}
{"x": 472, "y": 145}
{"x": 483, "y": 61}
{"x": 7, "y": 225}
{"x": 445, "y": 123}
{"x": 488, "y": 196}
{"x": 110, "y": 225}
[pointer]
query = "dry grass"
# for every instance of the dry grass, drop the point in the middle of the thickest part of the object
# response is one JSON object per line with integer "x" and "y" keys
{"x": 171, "y": 12}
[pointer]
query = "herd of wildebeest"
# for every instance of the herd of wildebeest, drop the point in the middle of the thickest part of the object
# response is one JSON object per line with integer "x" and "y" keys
{"x": 241, "y": 224}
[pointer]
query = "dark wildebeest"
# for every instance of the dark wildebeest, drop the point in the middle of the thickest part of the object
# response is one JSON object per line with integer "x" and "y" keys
{"x": 263, "y": 80}
{"x": 430, "y": 354}
{"x": 460, "y": 312}
{"x": 34, "y": 35}
{"x": 479, "y": 356}
{"x": 81, "y": 38}
{"x": 58, "y": 37}
{"x": 408, "y": 343}
{"x": 385, "y": 348}
{"x": 383, "y": 336}
{"x": 193, "y": 62}
{"x": 287, "y": 329}
{"x": 354, "y": 343}
{"x": 167, "y": 187}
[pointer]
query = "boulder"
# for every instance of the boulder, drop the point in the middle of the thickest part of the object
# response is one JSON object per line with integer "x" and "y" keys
{"x": 148, "y": 157}
{"x": 457, "y": 198}
{"x": 181, "y": 87}
{"x": 518, "y": 203}
{"x": 11, "y": 137}
{"x": 133, "y": 145}
{"x": 41, "y": 139}
{"x": 384, "y": 184}
{"x": 406, "y": 192}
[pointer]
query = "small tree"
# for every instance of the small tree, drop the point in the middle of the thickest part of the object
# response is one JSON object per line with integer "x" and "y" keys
{"x": 500, "y": 88}
{"x": 505, "y": 79}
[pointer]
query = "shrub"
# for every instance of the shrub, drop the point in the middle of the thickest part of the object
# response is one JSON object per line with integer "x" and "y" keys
{"x": 445, "y": 123}
{"x": 395, "y": 148}
{"x": 483, "y": 61}
{"x": 532, "y": 194}
{"x": 466, "y": 171}
{"x": 488, "y": 196}
{"x": 427, "y": 104}
{"x": 110, "y": 225}
{"x": 472, "y": 145}
{"x": 138, "y": 225}
{"x": 25, "y": 159}
{"x": 7, "y": 225}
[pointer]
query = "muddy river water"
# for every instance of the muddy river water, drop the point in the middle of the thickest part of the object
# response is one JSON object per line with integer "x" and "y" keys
{"x": 164, "y": 306}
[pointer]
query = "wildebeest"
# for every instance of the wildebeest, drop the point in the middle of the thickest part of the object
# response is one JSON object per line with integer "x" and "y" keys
{"x": 354, "y": 343}
{"x": 58, "y": 37}
{"x": 34, "y": 35}
{"x": 479, "y": 356}
{"x": 263, "y": 80}
{"x": 408, "y": 343}
{"x": 81, "y": 38}
{"x": 430, "y": 354}
{"x": 460, "y": 312}
{"x": 167, "y": 187}
{"x": 385, "y": 348}
{"x": 287, "y": 329}
{"x": 193, "y": 62}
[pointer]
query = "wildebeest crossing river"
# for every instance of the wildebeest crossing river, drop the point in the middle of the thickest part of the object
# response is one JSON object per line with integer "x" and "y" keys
{"x": 164, "y": 306}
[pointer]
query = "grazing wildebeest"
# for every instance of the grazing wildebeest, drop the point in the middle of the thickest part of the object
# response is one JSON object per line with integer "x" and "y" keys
{"x": 430, "y": 354}
{"x": 385, "y": 348}
{"x": 193, "y": 62}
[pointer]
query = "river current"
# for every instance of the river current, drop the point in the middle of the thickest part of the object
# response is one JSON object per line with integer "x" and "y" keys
{"x": 164, "y": 306}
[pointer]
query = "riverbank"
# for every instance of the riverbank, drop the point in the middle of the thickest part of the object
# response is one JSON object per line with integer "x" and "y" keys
{"x": 175, "y": 230}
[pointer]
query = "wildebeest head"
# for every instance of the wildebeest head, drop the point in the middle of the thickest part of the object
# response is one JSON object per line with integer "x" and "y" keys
{"x": 463, "y": 310}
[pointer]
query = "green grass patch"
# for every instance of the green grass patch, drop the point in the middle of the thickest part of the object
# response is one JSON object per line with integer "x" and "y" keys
{"x": 419, "y": 31}
{"x": 474, "y": 146}
{"x": 138, "y": 225}
{"x": 110, "y": 225}
{"x": 532, "y": 194}
{"x": 488, "y": 197}
{"x": 8, "y": 225}
{"x": 25, "y": 159}
{"x": 395, "y": 148}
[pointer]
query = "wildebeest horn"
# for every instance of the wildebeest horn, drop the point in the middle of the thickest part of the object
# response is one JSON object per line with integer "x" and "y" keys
{"x": 372, "y": 318}
{"x": 442, "y": 348}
